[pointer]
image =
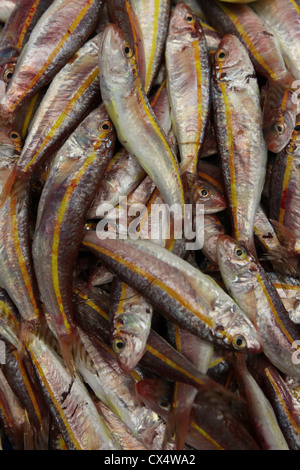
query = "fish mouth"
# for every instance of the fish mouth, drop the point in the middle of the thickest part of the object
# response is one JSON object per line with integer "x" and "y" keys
{"x": 224, "y": 244}
{"x": 112, "y": 40}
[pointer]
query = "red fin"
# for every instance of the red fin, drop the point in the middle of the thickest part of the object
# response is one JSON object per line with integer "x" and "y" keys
{"x": 285, "y": 236}
{"x": 180, "y": 413}
{"x": 68, "y": 344}
{"x": 283, "y": 260}
{"x": 8, "y": 186}
{"x": 26, "y": 327}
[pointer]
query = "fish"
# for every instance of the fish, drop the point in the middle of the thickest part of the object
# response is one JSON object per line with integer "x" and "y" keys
{"x": 70, "y": 403}
{"x": 42, "y": 59}
{"x": 209, "y": 312}
{"x": 98, "y": 366}
{"x": 260, "y": 412}
{"x": 188, "y": 80}
{"x": 68, "y": 193}
{"x": 153, "y": 19}
{"x": 17, "y": 274}
{"x": 284, "y": 403}
{"x": 128, "y": 102}
{"x": 122, "y": 14}
{"x": 130, "y": 323}
{"x": 283, "y": 19}
{"x": 15, "y": 35}
{"x": 206, "y": 425}
{"x": 284, "y": 194}
{"x": 280, "y": 109}
{"x": 124, "y": 173}
{"x": 250, "y": 286}
{"x": 70, "y": 101}
{"x": 91, "y": 313}
{"x": 238, "y": 120}
{"x": 195, "y": 7}
{"x": 201, "y": 190}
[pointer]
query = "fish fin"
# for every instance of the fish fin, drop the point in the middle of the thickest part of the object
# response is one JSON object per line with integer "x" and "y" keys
{"x": 26, "y": 327}
{"x": 68, "y": 344}
{"x": 285, "y": 235}
{"x": 282, "y": 260}
{"x": 16, "y": 184}
{"x": 180, "y": 413}
{"x": 7, "y": 188}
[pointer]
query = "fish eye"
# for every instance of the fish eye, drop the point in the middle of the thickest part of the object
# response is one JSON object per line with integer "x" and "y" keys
{"x": 239, "y": 342}
{"x": 8, "y": 73}
{"x": 15, "y": 135}
{"x": 189, "y": 18}
{"x": 240, "y": 252}
{"x": 164, "y": 403}
{"x": 118, "y": 345}
{"x": 105, "y": 126}
{"x": 222, "y": 54}
{"x": 297, "y": 128}
{"x": 204, "y": 192}
{"x": 127, "y": 51}
{"x": 279, "y": 127}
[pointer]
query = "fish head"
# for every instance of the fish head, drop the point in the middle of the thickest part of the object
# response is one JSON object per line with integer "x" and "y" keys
{"x": 238, "y": 269}
{"x": 233, "y": 258}
{"x": 183, "y": 22}
{"x": 235, "y": 331}
{"x": 232, "y": 63}
{"x": 129, "y": 334}
{"x": 117, "y": 62}
{"x": 129, "y": 349}
{"x": 279, "y": 117}
{"x": 199, "y": 190}
{"x": 207, "y": 194}
{"x": 97, "y": 129}
{"x": 156, "y": 394}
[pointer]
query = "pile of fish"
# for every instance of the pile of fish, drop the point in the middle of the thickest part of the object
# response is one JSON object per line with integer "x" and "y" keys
{"x": 119, "y": 332}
